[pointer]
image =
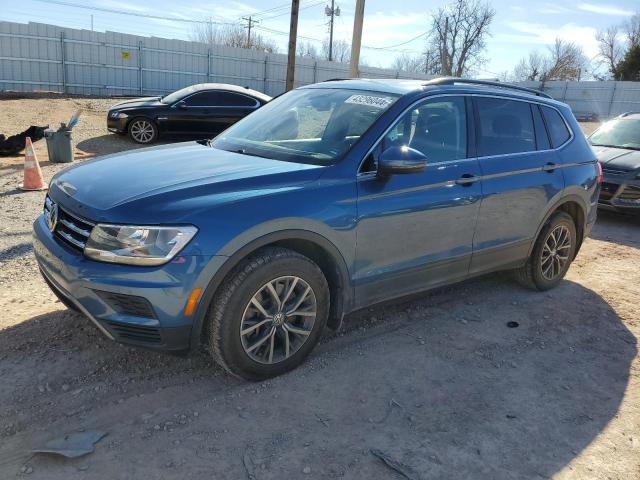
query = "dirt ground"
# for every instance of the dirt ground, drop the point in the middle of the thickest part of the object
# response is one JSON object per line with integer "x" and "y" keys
{"x": 437, "y": 382}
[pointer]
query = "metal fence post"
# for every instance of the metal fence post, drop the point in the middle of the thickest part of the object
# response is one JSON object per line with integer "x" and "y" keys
{"x": 264, "y": 81}
{"x": 209, "y": 64}
{"x": 613, "y": 97}
{"x": 63, "y": 64}
{"x": 564, "y": 94}
{"x": 140, "y": 66}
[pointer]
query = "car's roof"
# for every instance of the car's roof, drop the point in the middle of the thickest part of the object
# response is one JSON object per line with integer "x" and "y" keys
{"x": 405, "y": 87}
{"x": 232, "y": 88}
{"x": 383, "y": 85}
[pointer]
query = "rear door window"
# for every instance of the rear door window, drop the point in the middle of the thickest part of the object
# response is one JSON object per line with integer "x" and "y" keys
{"x": 504, "y": 127}
{"x": 558, "y": 130}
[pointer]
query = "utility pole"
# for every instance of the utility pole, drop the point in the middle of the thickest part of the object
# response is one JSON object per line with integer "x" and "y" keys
{"x": 331, "y": 12}
{"x": 250, "y": 22}
{"x": 92, "y": 22}
{"x": 357, "y": 39}
{"x": 293, "y": 35}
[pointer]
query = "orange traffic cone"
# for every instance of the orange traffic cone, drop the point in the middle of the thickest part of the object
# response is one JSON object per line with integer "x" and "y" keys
{"x": 32, "y": 173}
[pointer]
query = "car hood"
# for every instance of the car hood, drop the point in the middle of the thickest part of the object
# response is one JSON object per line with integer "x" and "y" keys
{"x": 171, "y": 182}
{"x": 620, "y": 158}
{"x": 137, "y": 102}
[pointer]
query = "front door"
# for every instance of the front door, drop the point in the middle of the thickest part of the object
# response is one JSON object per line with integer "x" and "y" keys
{"x": 416, "y": 230}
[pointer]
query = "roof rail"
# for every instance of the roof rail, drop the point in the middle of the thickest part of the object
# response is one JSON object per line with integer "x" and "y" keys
{"x": 452, "y": 81}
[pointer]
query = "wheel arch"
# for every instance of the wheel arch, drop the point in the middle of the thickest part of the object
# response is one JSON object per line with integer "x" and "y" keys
{"x": 575, "y": 206}
{"x": 310, "y": 244}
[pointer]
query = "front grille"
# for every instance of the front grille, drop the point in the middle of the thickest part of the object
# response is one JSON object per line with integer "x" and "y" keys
{"x": 70, "y": 229}
{"x": 630, "y": 194}
{"x": 608, "y": 190}
{"x": 135, "y": 333}
{"x": 127, "y": 304}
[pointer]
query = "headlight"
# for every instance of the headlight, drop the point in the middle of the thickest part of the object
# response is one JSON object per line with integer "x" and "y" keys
{"x": 136, "y": 245}
{"x": 117, "y": 114}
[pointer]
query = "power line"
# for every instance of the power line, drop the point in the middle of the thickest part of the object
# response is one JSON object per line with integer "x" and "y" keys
{"x": 135, "y": 14}
{"x": 287, "y": 12}
{"x": 223, "y": 21}
{"x": 399, "y": 44}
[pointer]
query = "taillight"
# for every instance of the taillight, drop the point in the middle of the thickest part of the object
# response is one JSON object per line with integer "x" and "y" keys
{"x": 599, "y": 174}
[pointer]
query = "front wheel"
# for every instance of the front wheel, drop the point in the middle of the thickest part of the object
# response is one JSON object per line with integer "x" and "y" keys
{"x": 269, "y": 314}
{"x": 552, "y": 254}
{"x": 143, "y": 130}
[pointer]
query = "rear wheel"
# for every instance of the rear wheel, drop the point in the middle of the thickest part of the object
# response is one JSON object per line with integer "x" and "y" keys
{"x": 552, "y": 254}
{"x": 143, "y": 130}
{"x": 269, "y": 314}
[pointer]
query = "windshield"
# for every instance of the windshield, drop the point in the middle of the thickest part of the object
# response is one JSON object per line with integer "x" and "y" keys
{"x": 314, "y": 125}
{"x": 621, "y": 133}
{"x": 178, "y": 95}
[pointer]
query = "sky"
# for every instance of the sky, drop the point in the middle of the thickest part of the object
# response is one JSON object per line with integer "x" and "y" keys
{"x": 518, "y": 28}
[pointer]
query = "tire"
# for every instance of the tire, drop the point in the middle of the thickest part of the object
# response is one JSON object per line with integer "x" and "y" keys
{"x": 540, "y": 273}
{"x": 236, "y": 309}
{"x": 142, "y": 130}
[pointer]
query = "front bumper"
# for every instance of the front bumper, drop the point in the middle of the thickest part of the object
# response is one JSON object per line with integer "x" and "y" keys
{"x": 117, "y": 125}
{"x": 143, "y": 306}
{"x": 620, "y": 192}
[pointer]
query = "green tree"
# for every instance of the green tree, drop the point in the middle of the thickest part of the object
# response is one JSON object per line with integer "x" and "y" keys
{"x": 629, "y": 67}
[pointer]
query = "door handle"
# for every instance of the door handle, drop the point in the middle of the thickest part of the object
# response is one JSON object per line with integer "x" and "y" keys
{"x": 467, "y": 180}
{"x": 549, "y": 167}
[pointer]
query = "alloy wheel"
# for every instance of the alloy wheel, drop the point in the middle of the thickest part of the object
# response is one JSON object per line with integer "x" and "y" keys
{"x": 142, "y": 131}
{"x": 278, "y": 319}
{"x": 555, "y": 252}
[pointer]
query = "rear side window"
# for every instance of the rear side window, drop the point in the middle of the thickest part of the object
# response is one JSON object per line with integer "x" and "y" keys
{"x": 558, "y": 130}
{"x": 504, "y": 126}
{"x": 542, "y": 139}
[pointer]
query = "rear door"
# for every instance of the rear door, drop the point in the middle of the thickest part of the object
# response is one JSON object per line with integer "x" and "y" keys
{"x": 416, "y": 230}
{"x": 520, "y": 178}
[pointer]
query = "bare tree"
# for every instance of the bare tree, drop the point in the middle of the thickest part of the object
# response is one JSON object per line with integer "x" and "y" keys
{"x": 532, "y": 67}
{"x": 566, "y": 61}
{"x": 307, "y": 49}
{"x": 230, "y": 36}
{"x": 341, "y": 51}
{"x": 610, "y": 50}
{"x": 563, "y": 61}
{"x": 427, "y": 62}
{"x": 632, "y": 30}
{"x": 408, "y": 63}
{"x": 458, "y": 34}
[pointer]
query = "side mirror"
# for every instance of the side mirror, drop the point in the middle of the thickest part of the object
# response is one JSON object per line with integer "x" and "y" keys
{"x": 181, "y": 104}
{"x": 400, "y": 160}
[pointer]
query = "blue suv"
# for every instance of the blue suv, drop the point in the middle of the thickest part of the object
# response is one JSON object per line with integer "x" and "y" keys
{"x": 330, "y": 198}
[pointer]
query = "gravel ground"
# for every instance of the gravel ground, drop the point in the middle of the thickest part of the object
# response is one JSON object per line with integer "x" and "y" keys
{"x": 437, "y": 383}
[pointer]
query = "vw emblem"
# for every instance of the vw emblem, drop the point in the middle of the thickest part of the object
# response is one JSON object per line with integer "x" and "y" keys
{"x": 52, "y": 217}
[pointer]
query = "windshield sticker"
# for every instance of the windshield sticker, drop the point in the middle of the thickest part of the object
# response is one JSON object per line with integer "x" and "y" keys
{"x": 370, "y": 101}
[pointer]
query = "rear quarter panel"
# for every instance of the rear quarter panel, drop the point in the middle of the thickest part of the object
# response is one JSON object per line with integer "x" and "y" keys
{"x": 579, "y": 168}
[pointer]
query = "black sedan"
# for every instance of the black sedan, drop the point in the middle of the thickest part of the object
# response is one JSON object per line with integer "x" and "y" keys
{"x": 617, "y": 145}
{"x": 202, "y": 110}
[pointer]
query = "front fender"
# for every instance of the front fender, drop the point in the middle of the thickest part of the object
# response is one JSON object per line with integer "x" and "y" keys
{"x": 242, "y": 246}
